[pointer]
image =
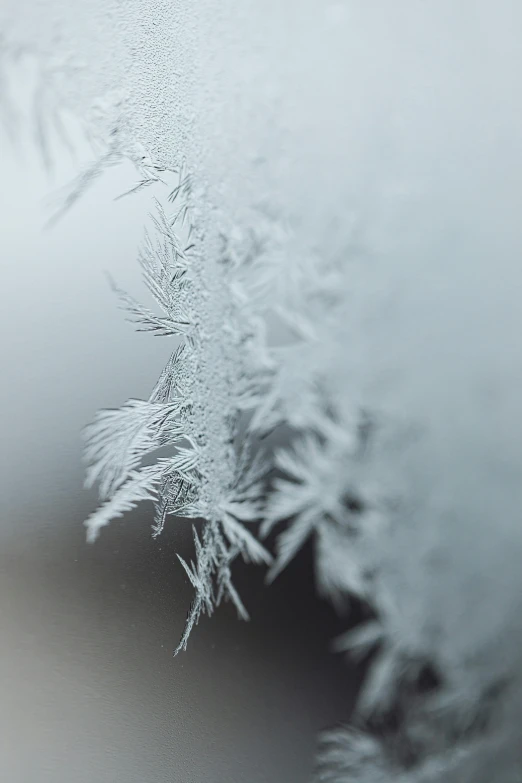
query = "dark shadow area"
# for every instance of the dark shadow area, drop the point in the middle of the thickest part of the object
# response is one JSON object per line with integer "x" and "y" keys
{"x": 91, "y": 690}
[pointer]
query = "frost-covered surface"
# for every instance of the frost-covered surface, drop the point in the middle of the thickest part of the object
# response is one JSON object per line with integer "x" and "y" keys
{"x": 348, "y": 177}
{"x": 195, "y": 409}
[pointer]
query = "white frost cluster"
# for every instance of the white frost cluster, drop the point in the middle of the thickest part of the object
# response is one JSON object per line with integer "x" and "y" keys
{"x": 195, "y": 408}
{"x": 339, "y": 266}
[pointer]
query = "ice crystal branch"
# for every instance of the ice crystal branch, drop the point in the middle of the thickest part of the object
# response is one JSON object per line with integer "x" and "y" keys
{"x": 194, "y": 409}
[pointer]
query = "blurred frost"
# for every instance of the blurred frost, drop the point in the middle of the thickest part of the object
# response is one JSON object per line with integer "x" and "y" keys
{"x": 349, "y": 172}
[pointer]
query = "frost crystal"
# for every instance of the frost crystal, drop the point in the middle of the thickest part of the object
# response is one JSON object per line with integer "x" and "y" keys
{"x": 194, "y": 408}
{"x": 340, "y": 268}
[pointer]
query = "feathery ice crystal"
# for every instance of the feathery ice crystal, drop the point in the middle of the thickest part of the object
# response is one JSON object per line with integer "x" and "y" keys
{"x": 409, "y": 486}
{"x": 194, "y": 408}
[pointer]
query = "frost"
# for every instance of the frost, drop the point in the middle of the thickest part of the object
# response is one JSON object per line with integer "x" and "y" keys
{"x": 195, "y": 409}
{"x": 340, "y": 271}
